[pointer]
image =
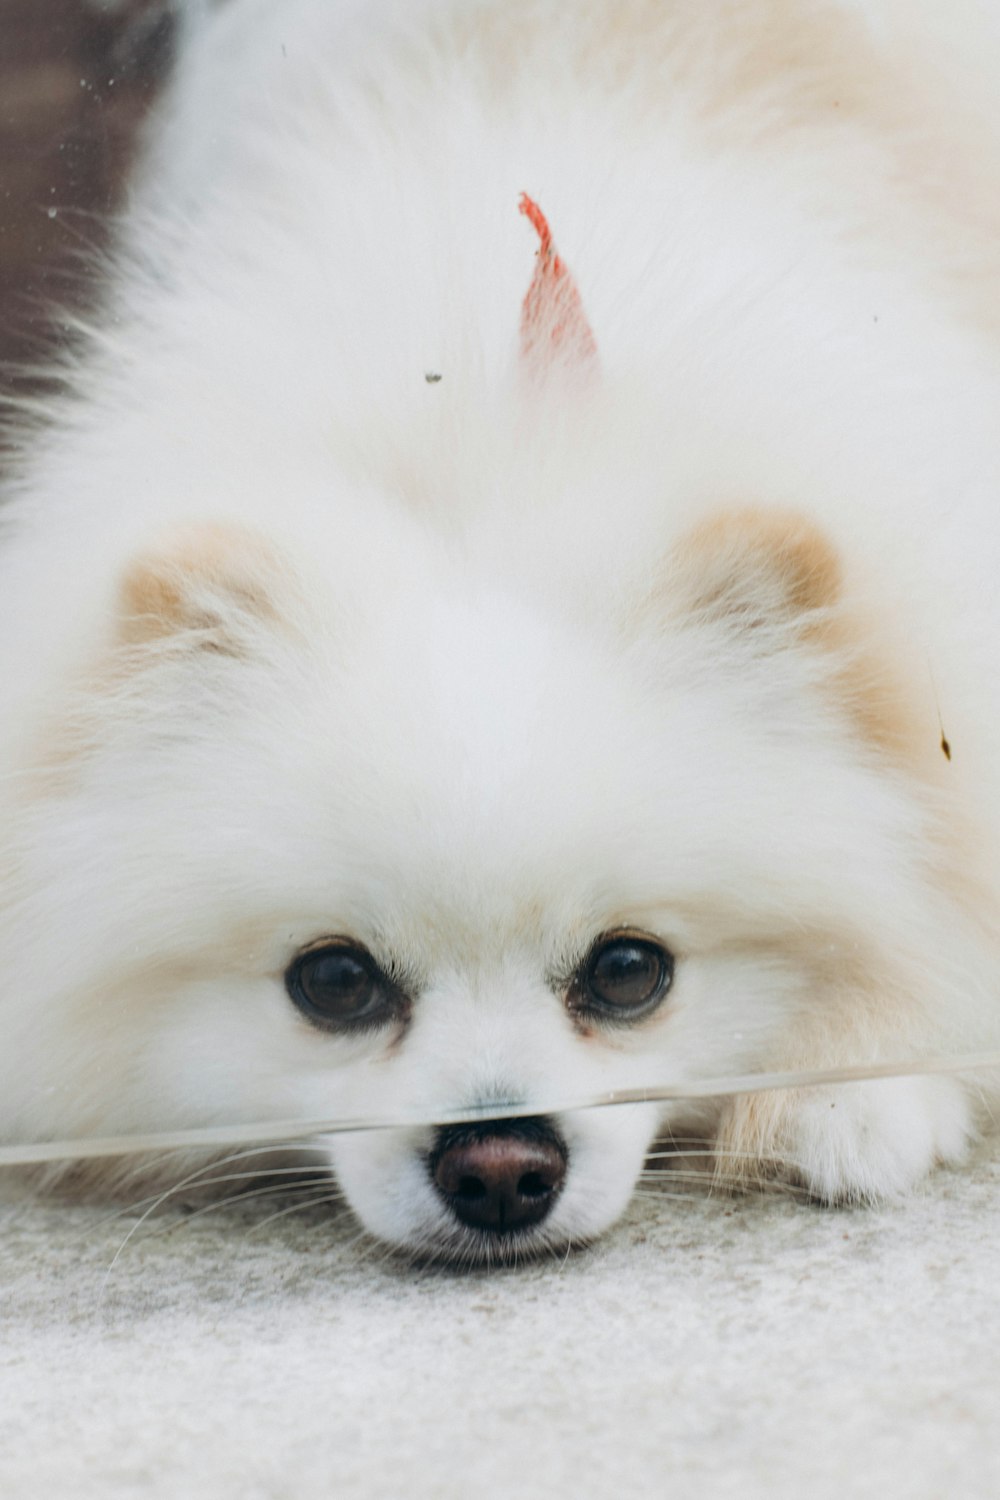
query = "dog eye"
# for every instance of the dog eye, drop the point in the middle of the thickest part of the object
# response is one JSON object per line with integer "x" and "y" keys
{"x": 624, "y": 977}
{"x": 339, "y": 986}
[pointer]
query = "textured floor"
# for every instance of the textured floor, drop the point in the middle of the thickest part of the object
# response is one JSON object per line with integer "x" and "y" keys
{"x": 706, "y": 1349}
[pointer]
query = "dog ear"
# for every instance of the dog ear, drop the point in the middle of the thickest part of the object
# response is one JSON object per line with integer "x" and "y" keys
{"x": 757, "y": 569}
{"x": 210, "y": 587}
{"x": 774, "y": 581}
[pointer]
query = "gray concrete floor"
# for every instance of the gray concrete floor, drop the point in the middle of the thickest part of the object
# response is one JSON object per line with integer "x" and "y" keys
{"x": 706, "y": 1348}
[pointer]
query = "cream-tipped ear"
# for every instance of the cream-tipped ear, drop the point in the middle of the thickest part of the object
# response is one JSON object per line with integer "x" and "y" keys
{"x": 754, "y": 567}
{"x": 773, "y": 578}
{"x": 209, "y": 582}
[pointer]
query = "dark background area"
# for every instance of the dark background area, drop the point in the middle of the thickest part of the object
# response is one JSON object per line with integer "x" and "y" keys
{"x": 76, "y": 78}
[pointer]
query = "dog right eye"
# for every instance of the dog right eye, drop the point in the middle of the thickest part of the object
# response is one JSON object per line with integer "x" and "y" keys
{"x": 625, "y": 977}
{"x": 340, "y": 987}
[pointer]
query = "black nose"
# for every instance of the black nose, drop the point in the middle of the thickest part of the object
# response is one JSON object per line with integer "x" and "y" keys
{"x": 501, "y": 1175}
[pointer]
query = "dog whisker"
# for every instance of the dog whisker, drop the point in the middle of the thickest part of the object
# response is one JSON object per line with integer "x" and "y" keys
{"x": 246, "y": 1195}
{"x": 316, "y": 1201}
{"x": 197, "y": 1177}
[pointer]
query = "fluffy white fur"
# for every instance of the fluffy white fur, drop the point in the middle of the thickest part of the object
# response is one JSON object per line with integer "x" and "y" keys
{"x": 296, "y": 643}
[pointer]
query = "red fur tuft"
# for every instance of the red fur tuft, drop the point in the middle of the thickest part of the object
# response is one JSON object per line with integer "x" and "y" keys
{"x": 553, "y": 321}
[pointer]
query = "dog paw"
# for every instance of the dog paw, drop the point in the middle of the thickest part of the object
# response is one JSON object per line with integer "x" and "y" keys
{"x": 868, "y": 1142}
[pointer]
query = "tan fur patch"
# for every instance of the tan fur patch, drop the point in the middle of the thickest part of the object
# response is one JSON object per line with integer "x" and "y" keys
{"x": 196, "y": 583}
{"x": 852, "y": 1019}
{"x": 172, "y": 589}
{"x": 759, "y": 566}
{"x": 876, "y": 691}
{"x": 802, "y": 54}
{"x": 750, "y": 558}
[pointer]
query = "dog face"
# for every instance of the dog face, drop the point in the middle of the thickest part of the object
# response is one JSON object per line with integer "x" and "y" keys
{"x": 409, "y": 843}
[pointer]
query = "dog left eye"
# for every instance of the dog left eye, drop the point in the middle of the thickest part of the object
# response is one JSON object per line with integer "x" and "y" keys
{"x": 624, "y": 977}
{"x": 340, "y": 987}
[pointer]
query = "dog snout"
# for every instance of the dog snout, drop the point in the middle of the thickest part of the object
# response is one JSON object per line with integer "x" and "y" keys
{"x": 499, "y": 1176}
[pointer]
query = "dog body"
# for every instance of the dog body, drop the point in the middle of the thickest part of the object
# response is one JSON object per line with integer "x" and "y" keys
{"x": 506, "y": 653}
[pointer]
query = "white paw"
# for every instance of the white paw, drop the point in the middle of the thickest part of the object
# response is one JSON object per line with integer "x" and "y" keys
{"x": 864, "y": 1142}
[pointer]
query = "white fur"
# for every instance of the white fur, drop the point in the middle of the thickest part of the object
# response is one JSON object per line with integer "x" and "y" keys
{"x": 480, "y": 728}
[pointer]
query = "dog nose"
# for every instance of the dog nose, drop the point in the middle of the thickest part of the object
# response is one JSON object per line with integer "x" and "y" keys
{"x": 500, "y": 1175}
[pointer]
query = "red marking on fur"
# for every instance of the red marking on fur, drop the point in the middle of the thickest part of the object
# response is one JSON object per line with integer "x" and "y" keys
{"x": 553, "y": 321}
{"x": 538, "y": 222}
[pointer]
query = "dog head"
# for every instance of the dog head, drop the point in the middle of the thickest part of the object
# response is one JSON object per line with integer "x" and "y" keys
{"x": 402, "y": 839}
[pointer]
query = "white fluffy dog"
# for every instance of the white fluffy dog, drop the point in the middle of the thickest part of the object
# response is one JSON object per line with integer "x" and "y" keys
{"x": 454, "y": 656}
